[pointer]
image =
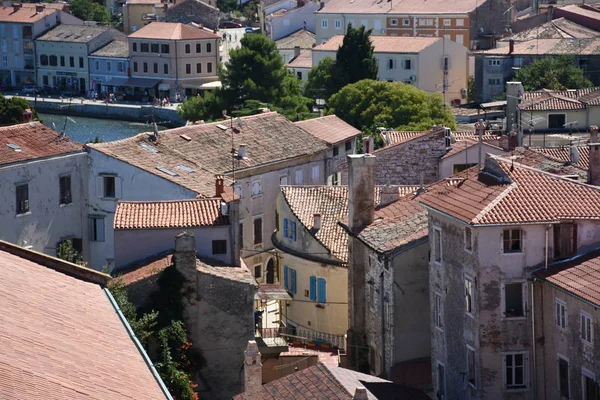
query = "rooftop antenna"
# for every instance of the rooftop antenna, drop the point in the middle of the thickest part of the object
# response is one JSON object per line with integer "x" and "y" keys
{"x": 224, "y": 112}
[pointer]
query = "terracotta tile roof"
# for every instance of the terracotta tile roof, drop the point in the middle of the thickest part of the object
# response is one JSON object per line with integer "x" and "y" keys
{"x": 73, "y": 33}
{"x": 232, "y": 273}
{"x": 302, "y": 38}
{"x": 384, "y": 44}
{"x": 169, "y": 214}
{"x": 171, "y": 31}
{"x": 146, "y": 268}
{"x": 329, "y": 129}
{"x": 511, "y": 193}
{"x": 398, "y": 7}
{"x": 587, "y": 10}
{"x": 304, "y": 60}
{"x": 63, "y": 339}
{"x": 397, "y": 137}
{"x": 142, "y": 2}
{"x": 462, "y": 145}
{"x": 26, "y": 15}
{"x": 488, "y": 136}
{"x": 405, "y": 190}
{"x": 540, "y": 47}
{"x": 543, "y": 162}
{"x": 576, "y": 99}
{"x": 578, "y": 276}
{"x": 556, "y": 29}
{"x": 116, "y": 49}
{"x": 34, "y": 140}
{"x": 563, "y": 154}
{"x": 205, "y": 149}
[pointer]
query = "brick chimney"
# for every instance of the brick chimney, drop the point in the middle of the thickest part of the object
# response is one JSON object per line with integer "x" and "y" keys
{"x": 39, "y": 8}
{"x": 252, "y": 372}
{"x": 594, "y": 167}
{"x": 185, "y": 262}
{"x": 388, "y": 194}
{"x": 17, "y": 6}
{"x": 511, "y": 46}
{"x": 316, "y": 222}
{"x": 27, "y": 115}
{"x": 219, "y": 185}
{"x": 361, "y": 189}
{"x": 360, "y": 394}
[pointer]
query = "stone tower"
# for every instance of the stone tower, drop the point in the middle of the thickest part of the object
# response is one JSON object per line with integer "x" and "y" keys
{"x": 252, "y": 372}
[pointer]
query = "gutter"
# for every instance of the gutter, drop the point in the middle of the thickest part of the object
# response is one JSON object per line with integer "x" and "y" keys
{"x": 137, "y": 343}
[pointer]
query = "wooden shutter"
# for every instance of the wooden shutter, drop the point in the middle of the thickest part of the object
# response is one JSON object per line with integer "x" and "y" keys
{"x": 99, "y": 186}
{"x": 293, "y": 281}
{"x": 313, "y": 288}
{"x": 322, "y": 290}
{"x": 293, "y": 231}
{"x": 285, "y": 276}
{"x": 285, "y": 227}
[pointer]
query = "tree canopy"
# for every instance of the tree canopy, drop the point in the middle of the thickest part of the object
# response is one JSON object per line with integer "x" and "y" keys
{"x": 88, "y": 10}
{"x": 554, "y": 73}
{"x": 11, "y": 110}
{"x": 354, "y": 61}
{"x": 396, "y": 105}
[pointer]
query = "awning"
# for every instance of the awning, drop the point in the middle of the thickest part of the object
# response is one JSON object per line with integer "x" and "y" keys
{"x": 269, "y": 291}
{"x": 144, "y": 83}
{"x": 164, "y": 86}
{"x": 117, "y": 81}
{"x": 203, "y": 86}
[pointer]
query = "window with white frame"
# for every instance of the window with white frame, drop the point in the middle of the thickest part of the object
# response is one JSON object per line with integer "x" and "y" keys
{"x": 108, "y": 186}
{"x": 237, "y": 189}
{"x": 299, "y": 175}
{"x": 460, "y": 22}
{"x": 494, "y": 81}
{"x": 471, "y": 366}
{"x": 513, "y": 299}
{"x": 256, "y": 188}
{"x": 316, "y": 173}
{"x": 437, "y": 245}
{"x": 561, "y": 314}
{"x": 563, "y": 377}
{"x": 338, "y": 24}
{"x": 587, "y": 328}
{"x": 460, "y": 39}
{"x": 324, "y": 24}
{"x": 468, "y": 239}
{"x": 512, "y": 240}
{"x": 437, "y": 312}
{"x": 393, "y": 22}
{"x": 447, "y": 22}
{"x": 406, "y": 22}
{"x": 469, "y": 306}
{"x": 590, "y": 388}
{"x": 494, "y": 62}
{"x": 407, "y": 64}
{"x": 391, "y": 63}
{"x": 4, "y": 60}
{"x": 515, "y": 370}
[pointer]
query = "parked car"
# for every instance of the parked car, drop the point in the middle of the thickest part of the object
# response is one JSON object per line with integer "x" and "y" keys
{"x": 249, "y": 29}
{"x": 229, "y": 25}
{"x": 28, "y": 90}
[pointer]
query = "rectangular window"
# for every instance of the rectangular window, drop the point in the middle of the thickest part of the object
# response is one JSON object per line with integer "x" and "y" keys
{"x": 166, "y": 68}
{"x": 238, "y": 191}
{"x": 460, "y": 39}
{"x": 108, "y": 65}
{"x": 256, "y": 188}
{"x": 241, "y": 235}
{"x": 188, "y": 48}
{"x": 135, "y": 66}
{"x": 154, "y": 48}
{"x": 71, "y": 62}
{"x": 469, "y": 296}
{"x": 348, "y": 145}
{"x": 164, "y": 48}
{"x": 258, "y": 234}
{"x": 23, "y": 198}
{"x": 5, "y": 61}
{"x": 557, "y": 121}
{"x": 324, "y": 24}
{"x": 338, "y": 24}
{"x": 494, "y": 62}
{"x": 65, "y": 189}
{"x": 209, "y": 68}
{"x": 198, "y": 47}
{"x": 219, "y": 246}
{"x": 459, "y": 22}
{"x": 561, "y": 314}
{"x": 97, "y": 229}
{"x": 406, "y": 22}
{"x": 293, "y": 230}
{"x": 144, "y": 48}
{"x": 468, "y": 239}
{"x": 441, "y": 381}
{"x": 515, "y": 370}
{"x": 62, "y": 62}
{"x": 289, "y": 279}
{"x": 587, "y": 328}
{"x": 512, "y": 241}
{"x": 258, "y": 271}
{"x": 563, "y": 377}
{"x": 283, "y": 180}
{"x": 437, "y": 245}
{"x": 471, "y": 366}
{"x": 285, "y": 228}
{"x": 134, "y": 47}
{"x": 447, "y": 22}
{"x": 391, "y": 63}
{"x": 336, "y": 151}
{"x": 407, "y": 64}
{"x": 299, "y": 74}
{"x": 198, "y": 68}
{"x": 208, "y": 47}
{"x": 437, "y": 312}
{"x": 155, "y": 68}
{"x": 494, "y": 82}
{"x": 81, "y": 63}
{"x": 145, "y": 67}
{"x": 188, "y": 69}
{"x": 591, "y": 389}
{"x": 316, "y": 173}
{"x": 109, "y": 183}
{"x": 120, "y": 66}
{"x": 513, "y": 300}
{"x": 318, "y": 289}
{"x": 393, "y": 22}
{"x": 299, "y": 177}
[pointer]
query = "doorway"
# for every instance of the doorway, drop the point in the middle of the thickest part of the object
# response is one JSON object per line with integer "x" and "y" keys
{"x": 270, "y": 271}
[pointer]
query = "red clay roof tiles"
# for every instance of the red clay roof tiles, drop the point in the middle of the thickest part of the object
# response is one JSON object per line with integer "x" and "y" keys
{"x": 329, "y": 129}
{"x": 169, "y": 214}
{"x": 27, "y": 15}
{"x": 34, "y": 140}
{"x": 172, "y": 31}
{"x": 563, "y": 154}
{"x": 62, "y": 339}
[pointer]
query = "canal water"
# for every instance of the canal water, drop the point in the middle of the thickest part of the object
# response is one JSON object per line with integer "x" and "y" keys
{"x": 84, "y": 130}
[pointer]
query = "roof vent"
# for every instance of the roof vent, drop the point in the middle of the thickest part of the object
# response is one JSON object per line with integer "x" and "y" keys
{"x": 186, "y": 137}
{"x": 186, "y": 169}
{"x": 148, "y": 147}
{"x": 316, "y": 222}
{"x": 167, "y": 171}
{"x": 222, "y": 127}
{"x": 14, "y": 147}
{"x": 242, "y": 151}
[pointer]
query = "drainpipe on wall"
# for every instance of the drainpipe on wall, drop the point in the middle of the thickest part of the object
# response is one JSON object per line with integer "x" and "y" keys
{"x": 533, "y": 344}
{"x": 381, "y": 291}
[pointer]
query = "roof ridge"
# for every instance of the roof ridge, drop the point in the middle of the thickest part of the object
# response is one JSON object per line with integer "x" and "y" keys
{"x": 425, "y": 133}
{"x": 201, "y": 199}
{"x": 114, "y": 142}
{"x": 494, "y": 203}
{"x": 333, "y": 377}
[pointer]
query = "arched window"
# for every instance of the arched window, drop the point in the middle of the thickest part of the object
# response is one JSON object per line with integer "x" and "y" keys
{"x": 208, "y": 47}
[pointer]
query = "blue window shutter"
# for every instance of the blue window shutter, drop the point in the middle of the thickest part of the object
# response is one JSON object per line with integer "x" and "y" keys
{"x": 293, "y": 281}
{"x": 293, "y": 231}
{"x": 285, "y": 277}
{"x": 285, "y": 227}
{"x": 313, "y": 288}
{"x": 322, "y": 290}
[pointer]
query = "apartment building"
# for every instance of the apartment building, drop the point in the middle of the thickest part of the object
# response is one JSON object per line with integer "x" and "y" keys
{"x": 471, "y": 24}
{"x": 20, "y": 24}
{"x": 175, "y": 58}
{"x": 108, "y": 63}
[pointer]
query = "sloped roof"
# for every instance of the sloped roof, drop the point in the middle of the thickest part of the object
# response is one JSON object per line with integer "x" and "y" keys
{"x": 398, "y": 7}
{"x": 506, "y": 192}
{"x": 172, "y": 31}
{"x": 578, "y": 276}
{"x": 301, "y": 38}
{"x": 539, "y": 160}
{"x": 63, "y": 339}
{"x": 116, "y": 49}
{"x": 169, "y": 214}
{"x": 586, "y": 10}
{"x": 229, "y": 272}
{"x": 34, "y": 140}
{"x": 304, "y": 60}
{"x": 542, "y": 47}
{"x": 73, "y": 33}
{"x": 24, "y": 14}
{"x": 560, "y": 28}
{"x": 205, "y": 149}
{"x": 329, "y": 129}
{"x": 384, "y": 44}
{"x": 461, "y": 145}
{"x": 563, "y": 154}
{"x": 575, "y": 99}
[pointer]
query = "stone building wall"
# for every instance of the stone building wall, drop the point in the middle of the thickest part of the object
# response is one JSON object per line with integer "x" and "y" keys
{"x": 193, "y": 11}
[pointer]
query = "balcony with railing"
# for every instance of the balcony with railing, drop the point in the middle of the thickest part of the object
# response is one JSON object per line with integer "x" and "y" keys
{"x": 307, "y": 337}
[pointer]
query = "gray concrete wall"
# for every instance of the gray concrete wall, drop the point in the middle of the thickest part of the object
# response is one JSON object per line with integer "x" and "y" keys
{"x": 293, "y": 20}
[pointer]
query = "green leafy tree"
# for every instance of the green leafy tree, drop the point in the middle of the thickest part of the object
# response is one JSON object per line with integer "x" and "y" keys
{"x": 471, "y": 88}
{"x": 354, "y": 60}
{"x": 554, "y": 73}
{"x": 396, "y": 105}
{"x": 191, "y": 109}
{"x": 11, "y": 110}
{"x": 67, "y": 252}
{"x": 320, "y": 84}
{"x": 89, "y": 11}
{"x": 227, "y": 5}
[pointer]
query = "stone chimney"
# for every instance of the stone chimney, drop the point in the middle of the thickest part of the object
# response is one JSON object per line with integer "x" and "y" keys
{"x": 296, "y": 51}
{"x": 361, "y": 190}
{"x": 360, "y": 394}
{"x": 388, "y": 194}
{"x": 242, "y": 151}
{"x": 17, "y": 6}
{"x": 594, "y": 167}
{"x": 574, "y": 153}
{"x": 39, "y": 8}
{"x": 368, "y": 145}
{"x": 511, "y": 46}
{"x": 316, "y": 222}
{"x": 514, "y": 91}
{"x": 219, "y": 185}
{"x": 252, "y": 372}
{"x": 185, "y": 262}
{"x": 27, "y": 115}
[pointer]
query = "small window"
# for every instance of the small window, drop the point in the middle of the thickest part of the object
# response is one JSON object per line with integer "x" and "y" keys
{"x": 468, "y": 239}
{"x": 437, "y": 312}
{"x": 258, "y": 237}
{"x": 391, "y": 63}
{"x": 459, "y": 22}
{"x": 145, "y": 67}
{"x": 393, "y": 22}
{"x": 166, "y": 68}
{"x": 241, "y": 235}
{"x": 198, "y": 68}
{"x": 209, "y": 68}
{"x": 219, "y": 246}
{"x": 348, "y": 146}
{"x": 154, "y": 48}
{"x": 258, "y": 271}
{"x": 591, "y": 389}
{"x": 108, "y": 65}
{"x": 81, "y": 64}
{"x": 338, "y": 24}
{"x": 109, "y": 187}
{"x": 561, "y": 314}
{"x": 336, "y": 151}
{"x": 555, "y": 121}
{"x": 494, "y": 82}
{"x": 494, "y": 62}
{"x": 513, "y": 300}
{"x": 324, "y": 24}
{"x": 134, "y": 46}
{"x": 22, "y": 199}
{"x": 208, "y": 47}
{"x": 53, "y": 61}
{"x": 318, "y": 289}
{"x": 188, "y": 69}
{"x": 407, "y": 64}
{"x": 299, "y": 74}
{"x": 188, "y": 49}
{"x": 135, "y": 66}
{"x": 437, "y": 245}
{"x": 144, "y": 48}
{"x": 441, "y": 381}
{"x": 447, "y": 22}
{"x": 512, "y": 240}
{"x": 155, "y": 68}
{"x": 471, "y": 366}
{"x": 283, "y": 180}
{"x": 198, "y": 47}
{"x": 164, "y": 48}
{"x": 469, "y": 307}
{"x": 406, "y": 22}
{"x": 256, "y": 188}
{"x": 299, "y": 177}
{"x": 515, "y": 370}
{"x": 65, "y": 189}
{"x": 97, "y": 229}
{"x": 62, "y": 62}
{"x": 289, "y": 279}
{"x": 563, "y": 377}
{"x": 44, "y": 59}
{"x": 587, "y": 328}
{"x": 71, "y": 61}
{"x": 238, "y": 191}
{"x": 316, "y": 173}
